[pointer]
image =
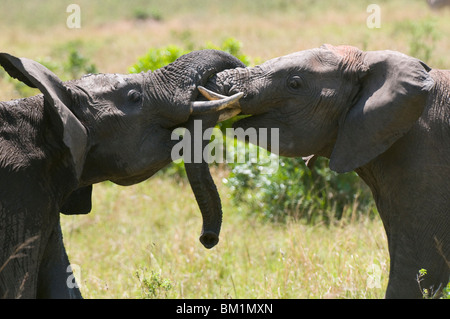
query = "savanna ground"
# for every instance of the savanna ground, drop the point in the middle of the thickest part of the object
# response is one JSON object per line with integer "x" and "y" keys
{"x": 142, "y": 241}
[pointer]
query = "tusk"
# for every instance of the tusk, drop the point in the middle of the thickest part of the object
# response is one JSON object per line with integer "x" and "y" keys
{"x": 200, "y": 107}
{"x": 310, "y": 160}
{"x": 228, "y": 113}
{"x": 210, "y": 95}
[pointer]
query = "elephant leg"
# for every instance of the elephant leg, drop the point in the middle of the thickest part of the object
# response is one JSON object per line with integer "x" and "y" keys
{"x": 411, "y": 251}
{"x": 18, "y": 276}
{"x": 402, "y": 281}
{"x": 56, "y": 278}
{"x": 19, "y": 255}
{"x": 406, "y": 283}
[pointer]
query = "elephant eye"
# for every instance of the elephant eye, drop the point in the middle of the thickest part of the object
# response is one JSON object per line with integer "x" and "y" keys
{"x": 294, "y": 82}
{"x": 134, "y": 96}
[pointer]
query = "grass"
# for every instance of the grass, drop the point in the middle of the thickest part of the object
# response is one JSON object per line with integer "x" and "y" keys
{"x": 142, "y": 241}
{"x": 112, "y": 36}
{"x": 141, "y": 232}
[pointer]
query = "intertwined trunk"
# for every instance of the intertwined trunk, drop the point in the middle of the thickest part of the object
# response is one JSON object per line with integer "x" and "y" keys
{"x": 202, "y": 184}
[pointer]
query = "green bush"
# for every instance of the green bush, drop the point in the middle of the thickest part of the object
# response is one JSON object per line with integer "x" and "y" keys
{"x": 144, "y": 14}
{"x": 157, "y": 58}
{"x": 231, "y": 46}
{"x": 78, "y": 65}
{"x": 430, "y": 293}
{"x": 71, "y": 64}
{"x": 423, "y": 36}
{"x": 153, "y": 285}
{"x": 316, "y": 195}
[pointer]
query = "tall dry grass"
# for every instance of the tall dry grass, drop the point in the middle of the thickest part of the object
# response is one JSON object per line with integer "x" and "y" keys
{"x": 153, "y": 228}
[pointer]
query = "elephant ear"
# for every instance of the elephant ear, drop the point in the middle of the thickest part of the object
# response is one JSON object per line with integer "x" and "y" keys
{"x": 57, "y": 98}
{"x": 393, "y": 94}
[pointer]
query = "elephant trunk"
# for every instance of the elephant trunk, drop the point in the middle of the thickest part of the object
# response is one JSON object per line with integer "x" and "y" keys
{"x": 248, "y": 81}
{"x": 203, "y": 186}
{"x": 174, "y": 86}
{"x": 233, "y": 82}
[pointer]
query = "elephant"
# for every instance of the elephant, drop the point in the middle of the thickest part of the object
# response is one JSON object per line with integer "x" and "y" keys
{"x": 382, "y": 114}
{"x": 438, "y": 4}
{"x": 54, "y": 146}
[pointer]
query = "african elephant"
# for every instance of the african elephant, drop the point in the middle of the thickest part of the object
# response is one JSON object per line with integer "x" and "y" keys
{"x": 55, "y": 145}
{"x": 382, "y": 114}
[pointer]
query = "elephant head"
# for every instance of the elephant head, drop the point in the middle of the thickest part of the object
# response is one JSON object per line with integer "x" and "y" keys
{"x": 118, "y": 127}
{"x": 337, "y": 102}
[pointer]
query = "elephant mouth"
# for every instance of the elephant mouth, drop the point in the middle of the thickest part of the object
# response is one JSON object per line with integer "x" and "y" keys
{"x": 236, "y": 109}
{"x": 216, "y": 102}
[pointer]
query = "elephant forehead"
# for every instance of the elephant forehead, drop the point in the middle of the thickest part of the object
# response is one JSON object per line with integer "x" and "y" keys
{"x": 103, "y": 82}
{"x": 313, "y": 60}
{"x": 292, "y": 59}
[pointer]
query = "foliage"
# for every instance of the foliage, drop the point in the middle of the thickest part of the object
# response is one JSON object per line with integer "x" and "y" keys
{"x": 77, "y": 64}
{"x": 423, "y": 39}
{"x": 423, "y": 36}
{"x": 430, "y": 293}
{"x": 157, "y": 58}
{"x": 315, "y": 194}
{"x": 143, "y": 14}
{"x": 446, "y": 292}
{"x": 152, "y": 285}
{"x": 72, "y": 64}
{"x": 231, "y": 46}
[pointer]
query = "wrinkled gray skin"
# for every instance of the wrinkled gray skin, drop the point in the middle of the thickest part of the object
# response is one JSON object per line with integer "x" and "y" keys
{"x": 381, "y": 113}
{"x": 55, "y": 145}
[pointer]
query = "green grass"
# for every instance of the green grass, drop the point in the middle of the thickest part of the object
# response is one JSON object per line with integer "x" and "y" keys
{"x": 141, "y": 232}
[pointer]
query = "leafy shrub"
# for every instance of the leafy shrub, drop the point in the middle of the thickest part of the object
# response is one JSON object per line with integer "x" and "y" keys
{"x": 77, "y": 65}
{"x": 153, "y": 285}
{"x": 294, "y": 190}
{"x": 231, "y": 46}
{"x": 73, "y": 65}
{"x": 143, "y": 14}
{"x": 446, "y": 292}
{"x": 430, "y": 293}
{"x": 423, "y": 36}
{"x": 157, "y": 58}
